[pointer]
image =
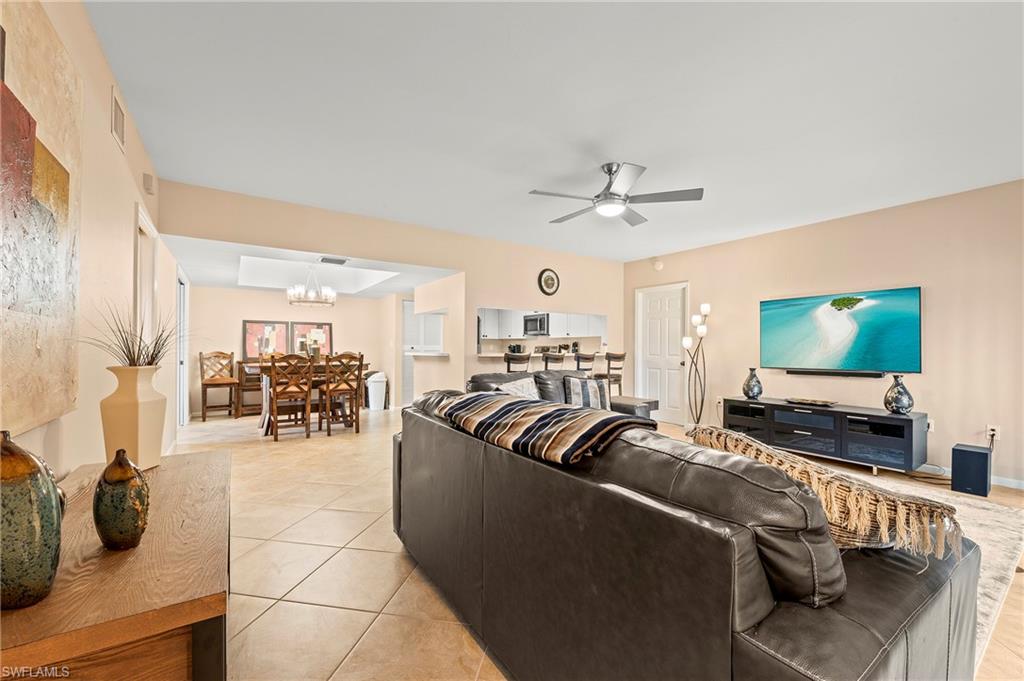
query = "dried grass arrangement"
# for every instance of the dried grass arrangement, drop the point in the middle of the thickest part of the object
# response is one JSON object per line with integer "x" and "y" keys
{"x": 125, "y": 340}
{"x": 859, "y": 515}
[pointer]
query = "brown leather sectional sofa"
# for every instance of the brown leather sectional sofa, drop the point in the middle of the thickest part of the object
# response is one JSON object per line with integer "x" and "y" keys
{"x": 661, "y": 560}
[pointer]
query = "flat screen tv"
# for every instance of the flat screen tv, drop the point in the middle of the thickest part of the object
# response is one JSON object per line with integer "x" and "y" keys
{"x": 864, "y": 331}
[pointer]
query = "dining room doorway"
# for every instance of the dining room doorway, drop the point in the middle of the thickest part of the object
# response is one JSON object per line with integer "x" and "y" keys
{"x": 408, "y": 341}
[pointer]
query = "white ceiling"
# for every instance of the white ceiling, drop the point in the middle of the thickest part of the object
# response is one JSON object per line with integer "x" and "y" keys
{"x": 447, "y": 115}
{"x": 231, "y": 265}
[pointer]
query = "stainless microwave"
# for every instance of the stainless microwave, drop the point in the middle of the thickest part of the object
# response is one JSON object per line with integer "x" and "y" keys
{"x": 535, "y": 324}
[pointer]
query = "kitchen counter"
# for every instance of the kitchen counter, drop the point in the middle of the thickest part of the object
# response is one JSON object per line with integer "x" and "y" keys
{"x": 537, "y": 355}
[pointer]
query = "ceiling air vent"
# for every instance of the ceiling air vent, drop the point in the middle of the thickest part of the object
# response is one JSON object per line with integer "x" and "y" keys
{"x": 116, "y": 119}
{"x": 331, "y": 260}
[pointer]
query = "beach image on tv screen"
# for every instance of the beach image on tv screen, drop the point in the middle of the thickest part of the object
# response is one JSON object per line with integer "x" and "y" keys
{"x": 866, "y": 331}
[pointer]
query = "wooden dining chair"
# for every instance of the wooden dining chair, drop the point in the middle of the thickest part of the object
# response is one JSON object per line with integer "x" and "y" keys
{"x": 343, "y": 382}
{"x": 585, "y": 361}
{"x": 249, "y": 381}
{"x": 291, "y": 382}
{"x": 216, "y": 369}
{"x": 613, "y": 374}
{"x": 517, "y": 358}
{"x": 550, "y": 358}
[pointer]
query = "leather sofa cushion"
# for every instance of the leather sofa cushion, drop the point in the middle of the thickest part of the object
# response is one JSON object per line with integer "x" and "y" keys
{"x": 551, "y": 383}
{"x": 893, "y": 624}
{"x": 490, "y": 382}
{"x": 797, "y": 552}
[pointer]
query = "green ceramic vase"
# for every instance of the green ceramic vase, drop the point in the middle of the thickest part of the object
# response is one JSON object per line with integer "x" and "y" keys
{"x": 31, "y": 508}
{"x": 120, "y": 506}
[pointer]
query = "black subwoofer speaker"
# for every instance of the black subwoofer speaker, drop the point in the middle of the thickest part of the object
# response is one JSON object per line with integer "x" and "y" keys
{"x": 972, "y": 469}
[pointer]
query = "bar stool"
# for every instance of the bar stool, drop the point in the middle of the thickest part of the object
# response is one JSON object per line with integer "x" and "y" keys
{"x": 613, "y": 374}
{"x": 585, "y": 362}
{"x": 517, "y": 358}
{"x": 552, "y": 357}
{"x": 216, "y": 369}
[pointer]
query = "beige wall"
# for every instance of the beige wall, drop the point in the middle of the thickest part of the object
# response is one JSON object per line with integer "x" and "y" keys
{"x": 110, "y": 186}
{"x": 964, "y": 250}
{"x": 497, "y": 273}
{"x": 446, "y": 295}
{"x": 215, "y": 323}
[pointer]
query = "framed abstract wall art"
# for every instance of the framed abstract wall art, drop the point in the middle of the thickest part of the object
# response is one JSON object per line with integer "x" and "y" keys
{"x": 40, "y": 180}
{"x": 261, "y": 337}
{"x": 303, "y": 333}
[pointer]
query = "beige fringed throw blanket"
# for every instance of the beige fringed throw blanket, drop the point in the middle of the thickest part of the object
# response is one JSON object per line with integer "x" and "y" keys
{"x": 859, "y": 515}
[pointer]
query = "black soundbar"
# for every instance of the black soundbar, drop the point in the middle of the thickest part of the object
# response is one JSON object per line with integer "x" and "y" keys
{"x": 827, "y": 372}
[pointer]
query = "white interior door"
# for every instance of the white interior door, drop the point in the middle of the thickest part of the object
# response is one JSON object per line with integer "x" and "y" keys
{"x": 660, "y": 374}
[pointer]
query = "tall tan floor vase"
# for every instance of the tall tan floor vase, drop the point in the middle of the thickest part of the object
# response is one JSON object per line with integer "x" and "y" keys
{"x": 133, "y": 416}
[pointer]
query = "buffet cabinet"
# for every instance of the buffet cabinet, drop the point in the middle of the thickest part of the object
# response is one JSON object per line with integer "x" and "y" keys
{"x": 861, "y": 435}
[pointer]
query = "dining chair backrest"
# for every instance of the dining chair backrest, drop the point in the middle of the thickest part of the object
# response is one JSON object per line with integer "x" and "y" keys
{"x": 552, "y": 358}
{"x": 517, "y": 358}
{"x": 616, "y": 360}
{"x": 344, "y": 372}
{"x": 290, "y": 375}
{"x": 216, "y": 364}
{"x": 585, "y": 361}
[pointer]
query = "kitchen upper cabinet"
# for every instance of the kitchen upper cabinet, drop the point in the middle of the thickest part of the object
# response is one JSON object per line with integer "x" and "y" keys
{"x": 597, "y": 325}
{"x": 426, "y": 334}
{"x": 558, "y": 324}
{"x": 510, "y": 323}
{"x": 578, "y": 325}
{"x": 490, "y": 322}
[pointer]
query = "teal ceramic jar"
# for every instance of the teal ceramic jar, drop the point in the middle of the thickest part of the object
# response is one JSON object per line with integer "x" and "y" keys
{"x": 120, "y": 506}
{"x": 31, "y": 508}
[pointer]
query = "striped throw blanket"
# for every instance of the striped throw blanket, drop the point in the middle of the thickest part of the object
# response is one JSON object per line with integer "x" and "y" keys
{"x": 544, "y": 430}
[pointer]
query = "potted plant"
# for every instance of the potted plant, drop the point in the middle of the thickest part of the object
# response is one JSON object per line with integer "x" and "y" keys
{"x": 133, "y": 415}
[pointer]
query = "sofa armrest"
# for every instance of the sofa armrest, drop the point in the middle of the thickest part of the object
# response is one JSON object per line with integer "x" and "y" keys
{"x": 630, "y": 405}
{"x": 396, "y": 482}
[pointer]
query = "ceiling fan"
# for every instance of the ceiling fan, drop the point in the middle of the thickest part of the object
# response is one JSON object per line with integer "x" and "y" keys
{"x": 615, "y": 200}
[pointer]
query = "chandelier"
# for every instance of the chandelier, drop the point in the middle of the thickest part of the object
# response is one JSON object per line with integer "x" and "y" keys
{"x": 311, "y": 294}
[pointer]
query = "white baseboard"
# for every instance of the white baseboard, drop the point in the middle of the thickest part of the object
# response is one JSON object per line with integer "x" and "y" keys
{"x": 1008, "y": 482}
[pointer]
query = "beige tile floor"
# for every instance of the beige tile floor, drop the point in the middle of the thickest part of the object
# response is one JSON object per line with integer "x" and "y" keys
{"x": 321, "y": 587}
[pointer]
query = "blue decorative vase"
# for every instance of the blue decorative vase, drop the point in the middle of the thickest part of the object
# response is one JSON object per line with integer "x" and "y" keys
{"x": 31, "y": 509}
{"x": 120, "y": 505}
{"x": 898, "y": 399}
{"x": 752, "y": 387}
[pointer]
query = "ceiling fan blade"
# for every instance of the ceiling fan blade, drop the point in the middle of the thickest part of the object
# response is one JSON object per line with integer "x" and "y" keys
{"x": 570, "y": 216}
{"x": 625, "y": 177}
{"x": 663, "y": 197}
{"x": 632, "y": 217}
{"x": 538, "y": 192}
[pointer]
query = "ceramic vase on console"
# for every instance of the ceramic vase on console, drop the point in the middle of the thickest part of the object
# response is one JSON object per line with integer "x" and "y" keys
{"x": 752, "y": 387}
{"x": 898, "y": 399}
{"x": 31, "y": 509}
{"x": 120, "y": 504}
{"x": 133, "y": 416}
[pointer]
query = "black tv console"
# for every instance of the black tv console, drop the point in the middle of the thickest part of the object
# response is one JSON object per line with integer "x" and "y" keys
{"x": 862, "y": 435}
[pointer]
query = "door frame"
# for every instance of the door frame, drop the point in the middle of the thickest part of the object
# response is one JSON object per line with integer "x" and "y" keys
{"x": 182, "y": 292}
{"x": 639, "y": 370}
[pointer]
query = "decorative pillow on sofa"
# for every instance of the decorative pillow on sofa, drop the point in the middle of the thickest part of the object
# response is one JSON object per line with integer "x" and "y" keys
{"x": 587, "y": 392}
{"x": 524, "y": 387}
{"x": 860, "y": 515}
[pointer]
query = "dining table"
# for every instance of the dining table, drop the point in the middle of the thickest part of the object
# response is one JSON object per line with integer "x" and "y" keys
{"x": 264, "y": 369}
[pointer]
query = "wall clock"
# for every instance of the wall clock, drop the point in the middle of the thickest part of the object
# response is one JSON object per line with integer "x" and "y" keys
{"x": 548, "y": 281}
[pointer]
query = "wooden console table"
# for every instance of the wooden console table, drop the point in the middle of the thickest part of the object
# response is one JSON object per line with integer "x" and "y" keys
{"x": 862, "y": 435}
{"x": 154, "y": 612}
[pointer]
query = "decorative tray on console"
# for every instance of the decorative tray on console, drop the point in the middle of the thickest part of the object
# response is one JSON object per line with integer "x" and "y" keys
{"x": 811, "y": 403}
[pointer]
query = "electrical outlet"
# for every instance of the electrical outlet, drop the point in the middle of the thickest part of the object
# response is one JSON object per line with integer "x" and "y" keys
{"x": 992, "y": 432}
{"x": 718, "y": 401}
{"x": 931, "y": 425}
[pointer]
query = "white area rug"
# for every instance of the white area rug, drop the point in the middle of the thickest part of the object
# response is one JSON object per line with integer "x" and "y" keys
{"x": 997, "y": 529}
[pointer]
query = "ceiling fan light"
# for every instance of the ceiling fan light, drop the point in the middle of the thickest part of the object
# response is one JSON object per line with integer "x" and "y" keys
{"x": 610, "y": 208}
